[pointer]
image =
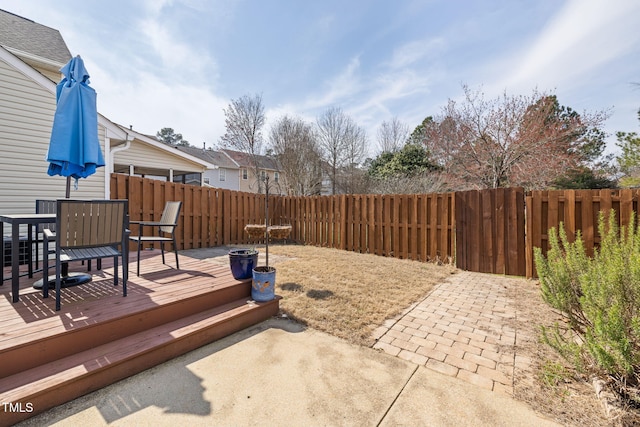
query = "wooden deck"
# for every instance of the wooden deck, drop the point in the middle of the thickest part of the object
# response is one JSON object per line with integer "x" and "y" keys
{"x": 99, "y": 336}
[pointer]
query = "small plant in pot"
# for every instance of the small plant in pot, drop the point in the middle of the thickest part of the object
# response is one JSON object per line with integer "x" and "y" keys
{"x": 264, "y": 277}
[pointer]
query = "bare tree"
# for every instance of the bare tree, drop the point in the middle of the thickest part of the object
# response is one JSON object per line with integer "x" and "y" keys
{"x": 294, "y": 143}
{"x": 509, "y": 141}
{"x": 343, "y": 143}
{"x": 392, "y": 135}
{"x": 352, "y": 179}
{"x": 244, "y": 119}
{"x": 422, "y": 183}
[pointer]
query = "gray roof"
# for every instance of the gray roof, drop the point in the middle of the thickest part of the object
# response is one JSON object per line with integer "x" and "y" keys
{"x": 245, "y": 160}
{"x": 214, "y": 157}
{"x": 35, "y": 39}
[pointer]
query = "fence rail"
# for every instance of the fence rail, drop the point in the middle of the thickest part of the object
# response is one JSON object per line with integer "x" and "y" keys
{"x": 491, "y": 231}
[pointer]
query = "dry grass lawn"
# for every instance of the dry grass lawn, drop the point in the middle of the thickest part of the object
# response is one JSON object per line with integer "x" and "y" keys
{"x": 347, "y": 294}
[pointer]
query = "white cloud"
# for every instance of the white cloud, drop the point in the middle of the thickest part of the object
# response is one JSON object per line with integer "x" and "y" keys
{"x": 583, "y": 35}
{"x": 179, "y": 58}
{"x": 414, "y": 51}
{"x": 156, "y": 6}
{"x": 151, "y": 104}
{"x": 341, "y": 87}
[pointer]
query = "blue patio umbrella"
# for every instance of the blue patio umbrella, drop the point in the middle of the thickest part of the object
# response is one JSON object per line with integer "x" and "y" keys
{"x": 74, "y": 148}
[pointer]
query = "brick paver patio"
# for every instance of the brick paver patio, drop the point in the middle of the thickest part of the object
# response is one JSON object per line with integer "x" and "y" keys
{"x": 463, "y": 328}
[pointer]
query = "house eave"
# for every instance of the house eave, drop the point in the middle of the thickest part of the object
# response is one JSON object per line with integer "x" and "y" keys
{"x": 27, "y": 57}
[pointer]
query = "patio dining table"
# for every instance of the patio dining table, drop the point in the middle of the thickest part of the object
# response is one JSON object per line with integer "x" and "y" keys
{"x": 16, "y": 220}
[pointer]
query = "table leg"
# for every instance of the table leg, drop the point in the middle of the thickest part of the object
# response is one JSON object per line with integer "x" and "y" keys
{"x": 15, "y": 273}
{"x": 30, "y": 249}
{"x": 2, "y": 267}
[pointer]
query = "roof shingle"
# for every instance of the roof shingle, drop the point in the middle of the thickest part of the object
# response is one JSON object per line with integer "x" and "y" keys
{"x": 25, "y": 35}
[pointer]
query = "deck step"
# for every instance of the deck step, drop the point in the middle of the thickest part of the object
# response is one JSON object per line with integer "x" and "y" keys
{"x": 109, "y": 319}
{"x": 65, "y": 379}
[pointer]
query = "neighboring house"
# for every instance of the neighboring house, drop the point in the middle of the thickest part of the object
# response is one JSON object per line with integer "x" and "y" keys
{"x": 223, "y": 172}
{"x": 325, "y": 185}
{"x": 148, "y": 157}
{"x": 31, "y": 56}
{"x": 234, "y": 169}
{"x": 247, "y": 179}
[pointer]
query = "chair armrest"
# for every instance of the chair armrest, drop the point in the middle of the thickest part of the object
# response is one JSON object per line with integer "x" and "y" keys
{"x": 152, "y": 223}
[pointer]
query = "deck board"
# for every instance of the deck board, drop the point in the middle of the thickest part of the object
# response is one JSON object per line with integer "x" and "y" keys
{"x": 99, "y": 301}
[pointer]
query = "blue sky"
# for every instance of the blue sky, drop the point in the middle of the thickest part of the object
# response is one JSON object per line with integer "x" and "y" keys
{"x": 162, "y": 63}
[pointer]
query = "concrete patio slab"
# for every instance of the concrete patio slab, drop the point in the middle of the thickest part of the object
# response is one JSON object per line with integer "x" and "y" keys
{"x": 279, "y": 373}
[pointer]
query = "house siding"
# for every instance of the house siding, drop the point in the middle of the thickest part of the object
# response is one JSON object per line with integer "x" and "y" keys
{"x": 26, "y": 117}
{"x": 146, "y": 156}
{"x": 230, "y": 182}
{"x": 250, "y": 185}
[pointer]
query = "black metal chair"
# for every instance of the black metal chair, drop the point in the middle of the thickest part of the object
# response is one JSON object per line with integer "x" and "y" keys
{"x": 43, "y": 207}
{"x": 88, "y": 229}
{"x": 166, "y": 231}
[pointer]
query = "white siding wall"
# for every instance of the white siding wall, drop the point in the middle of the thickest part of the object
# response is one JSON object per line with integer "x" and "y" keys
{"x": 26, "y": 116}
{"x": 230, "y": 182}
{"x": 139, "y": 155}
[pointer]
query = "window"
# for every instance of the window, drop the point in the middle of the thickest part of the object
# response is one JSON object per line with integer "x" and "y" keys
{"x": 276, "y": 176}
{"x": 206, "y": 180}
{"x": 245, "y": 174}
{"x": 223, "y": 174}
{"x": 188, "y": 178}
{"x": 263, "y": 175}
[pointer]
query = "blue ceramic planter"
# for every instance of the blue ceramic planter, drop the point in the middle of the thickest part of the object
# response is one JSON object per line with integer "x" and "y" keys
{"x": 263, "y": 286}
{"x": 242, "y": 262}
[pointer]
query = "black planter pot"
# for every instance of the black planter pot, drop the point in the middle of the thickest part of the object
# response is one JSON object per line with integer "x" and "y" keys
{"x": 242, "y": 262}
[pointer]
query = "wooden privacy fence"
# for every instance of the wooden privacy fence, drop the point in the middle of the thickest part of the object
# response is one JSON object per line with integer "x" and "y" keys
{"x": 577, "y": 210}
{"x": 209, "y": 216}
{"x": 418, "y": 227}
{"x": 489, "y": 231}
{"x": 490, "y": 226}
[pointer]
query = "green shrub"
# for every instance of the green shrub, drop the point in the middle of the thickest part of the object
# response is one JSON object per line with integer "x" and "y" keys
{"x": 600, "y": 297}
{"x": 560, "y": 273}
{"x": 553, "y": 374}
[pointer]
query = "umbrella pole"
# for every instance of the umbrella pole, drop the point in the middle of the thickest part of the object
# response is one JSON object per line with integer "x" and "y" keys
{"x": 70, "y": 279}
{"x": 67, "y": 195}
{"x": 67, "y": 279}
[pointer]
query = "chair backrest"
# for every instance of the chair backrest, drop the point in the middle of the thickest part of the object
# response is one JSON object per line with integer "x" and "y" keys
{"x": 45, "y": 207}
{"x": 170, "y": 216}
{"x": 90, "y": 223}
